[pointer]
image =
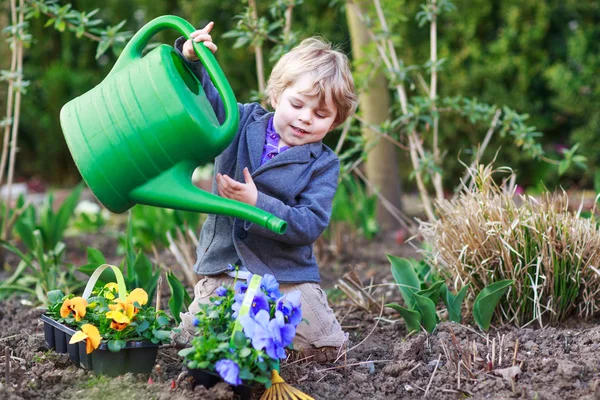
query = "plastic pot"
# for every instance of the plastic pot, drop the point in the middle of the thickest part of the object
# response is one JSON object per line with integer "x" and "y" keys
{"x": 209, "y": 379}
{"x": 137, "y": 356}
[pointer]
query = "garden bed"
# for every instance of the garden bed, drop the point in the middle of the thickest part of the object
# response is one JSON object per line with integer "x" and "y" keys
{"x": 382, "y": 362}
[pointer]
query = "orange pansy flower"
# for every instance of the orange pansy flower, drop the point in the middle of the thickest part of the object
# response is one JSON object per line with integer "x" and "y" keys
{"x": 76, "y": 306}
{"x": 90, "y": 334}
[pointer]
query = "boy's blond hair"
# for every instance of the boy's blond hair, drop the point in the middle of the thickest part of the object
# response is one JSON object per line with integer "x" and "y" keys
{"x": 329, "y": 70}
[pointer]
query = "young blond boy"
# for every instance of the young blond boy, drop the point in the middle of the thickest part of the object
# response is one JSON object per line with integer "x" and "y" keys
{"x": 277, "y": 162}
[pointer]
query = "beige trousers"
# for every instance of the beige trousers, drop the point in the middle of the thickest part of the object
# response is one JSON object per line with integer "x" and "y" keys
{"x": 321, "y": 330}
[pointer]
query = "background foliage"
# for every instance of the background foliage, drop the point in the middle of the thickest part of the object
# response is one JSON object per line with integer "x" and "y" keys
{"x": 541, "y": 58}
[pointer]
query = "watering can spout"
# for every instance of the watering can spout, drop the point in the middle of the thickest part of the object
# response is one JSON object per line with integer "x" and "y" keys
{"x": 174, "y": 189}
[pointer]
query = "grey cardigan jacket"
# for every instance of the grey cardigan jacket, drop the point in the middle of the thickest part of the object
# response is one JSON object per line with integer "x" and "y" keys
{"x": 297, "y": 186}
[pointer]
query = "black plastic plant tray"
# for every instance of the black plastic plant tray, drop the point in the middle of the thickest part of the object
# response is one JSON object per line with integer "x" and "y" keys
{"x": 136, "y": 357}
{"x": 209, "y": 379}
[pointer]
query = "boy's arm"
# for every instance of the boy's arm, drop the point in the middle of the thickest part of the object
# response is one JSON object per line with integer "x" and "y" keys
{"x": 197, "y": 68}
{"x": 307, "y": 220}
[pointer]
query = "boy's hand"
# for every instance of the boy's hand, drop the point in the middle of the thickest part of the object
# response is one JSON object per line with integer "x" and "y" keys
{"x": 231, "y": 189}
{"x": 201, "y": 35}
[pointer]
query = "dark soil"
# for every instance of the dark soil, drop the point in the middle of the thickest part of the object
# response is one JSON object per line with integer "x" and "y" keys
{"x": 382, "y": 362}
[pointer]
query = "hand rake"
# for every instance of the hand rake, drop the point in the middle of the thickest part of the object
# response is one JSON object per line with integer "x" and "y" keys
{"x": 280, "y": 390}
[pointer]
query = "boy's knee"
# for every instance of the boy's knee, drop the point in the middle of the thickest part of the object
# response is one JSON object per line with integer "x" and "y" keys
{"x": 321, "y": 328}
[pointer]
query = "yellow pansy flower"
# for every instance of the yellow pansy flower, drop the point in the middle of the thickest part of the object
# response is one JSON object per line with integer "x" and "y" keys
{"x": 119, "y": 320}
{"x": 126, "y": 308}
{"x": 138, "y": 295}
{"x": 90, "y": 334}
{"x": 76, "y": 306}
{"x": 110, "y": 289}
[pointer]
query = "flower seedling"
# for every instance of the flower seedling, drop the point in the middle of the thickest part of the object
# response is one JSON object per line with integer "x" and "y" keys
{"x": 420, "y": 311}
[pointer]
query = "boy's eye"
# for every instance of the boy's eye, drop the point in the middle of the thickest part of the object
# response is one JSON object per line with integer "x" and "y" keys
{"x": 296, "y": 105}
{"x": 321, "y": 115}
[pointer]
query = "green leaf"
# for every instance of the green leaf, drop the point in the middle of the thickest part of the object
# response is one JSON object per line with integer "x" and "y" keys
{"x": 163, "y": 320}
{"x": 95, "y": 256}
{"x": 239, "y": 340}
{"x": 454, "y": 303}
{"x": 433, "y": 292}
{"x": 63, "y": 216}
{"x": 162, "y": 334}
{"x": 486, "y": 302}
{"x": 186, "y": 352}
{"x": 405, "y": 277}
{"x": 144, "y": 277}
{"x": 245, "y": 352}
{"x": 106, "y": 276}
{"x": 55, "y": 296}
{"x": 115, "y": 345}
{"x": 178, "y": 293}
{"x": 412, "y": 318}
{"x": 563, "y": 166}
{"x": 426, "y": 308}
{"x": 142, "y": 326}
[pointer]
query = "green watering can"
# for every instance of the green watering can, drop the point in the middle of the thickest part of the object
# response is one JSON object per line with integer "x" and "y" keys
{"x": 138, "y": 136}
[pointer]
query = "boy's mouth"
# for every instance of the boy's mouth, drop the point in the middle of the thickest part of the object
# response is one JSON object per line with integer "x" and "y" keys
{"x": 299, "y": 130}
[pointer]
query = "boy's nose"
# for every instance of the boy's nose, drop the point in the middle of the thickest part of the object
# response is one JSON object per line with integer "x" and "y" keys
{"x": 304, "y": 117}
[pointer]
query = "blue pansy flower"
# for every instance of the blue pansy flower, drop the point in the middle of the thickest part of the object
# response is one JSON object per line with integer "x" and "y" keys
{"x": 235, "y": 307}
{"x": 240, "y": 290}
{"x": 272, "y": 336}
{"x": 260, "y": 302}
{"x": 290, "y": 307}
{"x": 229, "y": 371}
{"x": 221, "y": 291}
{"x": 270, "y": 285}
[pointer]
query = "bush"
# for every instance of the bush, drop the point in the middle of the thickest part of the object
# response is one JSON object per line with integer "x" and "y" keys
{"x": 485, "y": 236}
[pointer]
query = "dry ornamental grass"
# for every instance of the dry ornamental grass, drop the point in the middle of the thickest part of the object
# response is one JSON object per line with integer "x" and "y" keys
{"x": 551, "y": 253}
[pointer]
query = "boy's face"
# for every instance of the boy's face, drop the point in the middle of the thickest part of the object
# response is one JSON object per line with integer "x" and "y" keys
{"x": 299, "y": 118}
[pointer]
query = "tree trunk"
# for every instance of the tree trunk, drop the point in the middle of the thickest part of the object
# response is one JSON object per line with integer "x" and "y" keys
{"x": 374, "y": 104}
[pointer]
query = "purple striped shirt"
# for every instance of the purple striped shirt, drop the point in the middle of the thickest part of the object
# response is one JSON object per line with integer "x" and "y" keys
{"x": 272, "y": 143}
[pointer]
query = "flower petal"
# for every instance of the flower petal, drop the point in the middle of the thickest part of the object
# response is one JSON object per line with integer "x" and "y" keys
{"x": 138, "y": 295}
{"x": 78, "y": 337}
{"x": 93, "y": 337}
{"x": 118, "y": 316}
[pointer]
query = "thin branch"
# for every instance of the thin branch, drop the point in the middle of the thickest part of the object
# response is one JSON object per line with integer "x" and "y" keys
{"x": 258, "y": 55}
{"x": 15, "y": 119}
{"x": 69, "y": 24}
{"x": 288, "y": 19}
{"x": 484, "y": 144}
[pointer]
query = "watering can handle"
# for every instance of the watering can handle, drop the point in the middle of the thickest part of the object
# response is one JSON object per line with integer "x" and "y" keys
{"x": 138, "y": 42}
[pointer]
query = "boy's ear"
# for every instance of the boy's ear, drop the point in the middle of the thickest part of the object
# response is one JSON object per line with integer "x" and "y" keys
{"x": 274, "y": 100}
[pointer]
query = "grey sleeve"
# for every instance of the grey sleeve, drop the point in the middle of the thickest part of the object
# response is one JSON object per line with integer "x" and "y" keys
{"x": 307, "y": 220}
{"x": 197, "y": 68}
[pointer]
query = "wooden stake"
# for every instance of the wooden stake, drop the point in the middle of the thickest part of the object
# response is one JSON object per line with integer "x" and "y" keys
{"x": 515, "y": 353}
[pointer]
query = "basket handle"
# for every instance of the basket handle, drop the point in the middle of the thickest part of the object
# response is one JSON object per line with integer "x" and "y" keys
{"x": 253, "y": 286}
{"x": 120, "y": 281}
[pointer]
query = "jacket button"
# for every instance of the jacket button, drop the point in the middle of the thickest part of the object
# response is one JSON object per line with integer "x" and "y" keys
{"x": 243, "y": 234}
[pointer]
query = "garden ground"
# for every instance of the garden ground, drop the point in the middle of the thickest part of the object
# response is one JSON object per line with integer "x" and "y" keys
{"x": 382, "y": 362}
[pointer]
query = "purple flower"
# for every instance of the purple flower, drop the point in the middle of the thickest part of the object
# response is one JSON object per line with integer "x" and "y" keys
{"x": 240, "y": 290}
{"x": 290, "y": 307}
{"x": 229, "y": 371}
{"x": 270, "y": 285}
{"x": 231, "y": 267}
{"x": 221, "y": 291}
{"x": 260, "y": 302}
{"x": 195, "y": 321}
{"x": 235, "y": 307}
{"x": 271, "y": 335}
